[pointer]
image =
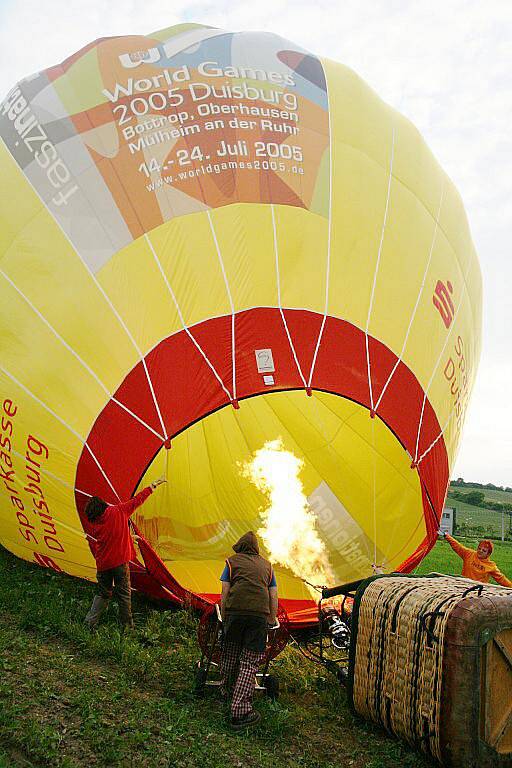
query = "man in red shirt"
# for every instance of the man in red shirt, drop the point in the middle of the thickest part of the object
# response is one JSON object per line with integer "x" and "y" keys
{"x": 113, "y": 552}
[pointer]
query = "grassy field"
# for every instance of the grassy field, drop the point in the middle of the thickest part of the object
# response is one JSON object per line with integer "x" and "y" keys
{"x": 70, "y": 699}
{"x": 464, "y": 506}
{"x": 483, "y": 521}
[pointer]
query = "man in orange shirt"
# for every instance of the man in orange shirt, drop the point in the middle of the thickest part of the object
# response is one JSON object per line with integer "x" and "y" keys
{"x": 476, "y": 564}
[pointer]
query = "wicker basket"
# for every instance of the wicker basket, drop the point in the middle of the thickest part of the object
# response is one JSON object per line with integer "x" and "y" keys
{"x": 431, "y": 661}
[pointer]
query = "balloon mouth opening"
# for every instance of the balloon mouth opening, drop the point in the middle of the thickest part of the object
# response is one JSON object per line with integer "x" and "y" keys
{"x": 210, "y": 501}
{"x": 354, "y": 464}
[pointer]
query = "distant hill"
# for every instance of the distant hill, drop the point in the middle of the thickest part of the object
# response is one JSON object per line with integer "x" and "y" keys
{"x": 481, "y": 509}
{"x": 478, "y": 495}
{"x": 461, "y": 483}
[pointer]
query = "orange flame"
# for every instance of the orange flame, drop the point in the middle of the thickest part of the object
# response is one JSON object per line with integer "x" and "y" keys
{"x": 289, "y": 526}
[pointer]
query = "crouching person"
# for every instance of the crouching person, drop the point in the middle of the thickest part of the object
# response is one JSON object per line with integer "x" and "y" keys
{"x": 248, "y": 605}
{"x": 114, "y": 551}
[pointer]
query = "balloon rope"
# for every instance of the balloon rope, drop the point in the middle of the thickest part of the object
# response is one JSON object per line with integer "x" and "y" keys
{"x": 434, "y": 442}
{"x": 420, "y": 292}
{"x": 329, "y": 232}
{"x": 377, "y": 264}
{"x": 374, "y": 495}
{"x": 61, "y": 421}
{"x": 278, "y": 281}
{"x": 230, "y": 299}
{"x": 425, "y": 394}
{"x": 75, "y": 354}
{"x": 100, "y": 289}
{"x": 68, "y": 485}
{"x": 320, "y": 423}
{"x": 54, "y": 477}
{"x": 182, "y": 320}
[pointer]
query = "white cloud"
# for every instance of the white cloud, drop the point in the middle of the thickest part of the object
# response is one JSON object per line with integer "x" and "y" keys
{"x": 446, "y": 64}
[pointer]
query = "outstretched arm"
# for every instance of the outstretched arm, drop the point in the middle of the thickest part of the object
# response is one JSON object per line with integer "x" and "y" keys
{"x": 129, "y": 507}
{"x": 500, "y": 578}
{"x": 460, "y": 549}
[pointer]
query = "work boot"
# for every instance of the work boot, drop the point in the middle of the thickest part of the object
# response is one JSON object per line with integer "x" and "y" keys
{"x": 98, "y": 606}
{"x": 246, "y": 721}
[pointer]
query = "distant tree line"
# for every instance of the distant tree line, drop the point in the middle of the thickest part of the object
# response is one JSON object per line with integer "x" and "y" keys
{"x": 477, "y": 498}
{"x": 460, "y": 482}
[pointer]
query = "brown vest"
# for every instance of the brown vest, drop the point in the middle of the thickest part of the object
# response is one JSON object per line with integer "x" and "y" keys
{"x": 250, "y": 576}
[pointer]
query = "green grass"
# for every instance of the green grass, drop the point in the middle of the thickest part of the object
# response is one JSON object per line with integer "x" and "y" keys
{"x": 462, "y": 505}
{"x": 502, "y": 496}
{"x": 70, "y": 699}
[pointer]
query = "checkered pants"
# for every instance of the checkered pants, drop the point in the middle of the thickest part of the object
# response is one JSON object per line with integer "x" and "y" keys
{"x": 239, "y": 665}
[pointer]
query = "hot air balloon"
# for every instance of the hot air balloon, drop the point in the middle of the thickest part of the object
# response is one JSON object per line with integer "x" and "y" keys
{"x": 209, "y": 242}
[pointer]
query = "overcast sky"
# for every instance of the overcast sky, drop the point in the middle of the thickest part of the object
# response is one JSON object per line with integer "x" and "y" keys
{"x": 446, "y": 65}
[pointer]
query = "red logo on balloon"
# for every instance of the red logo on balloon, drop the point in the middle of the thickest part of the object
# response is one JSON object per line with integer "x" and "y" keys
{"x": 442, "y": 301}
{"x": 47, "y": 562}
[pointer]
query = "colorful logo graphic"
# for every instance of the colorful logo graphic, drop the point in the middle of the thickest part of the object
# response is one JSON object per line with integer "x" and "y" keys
{"x": 442, "y": 300}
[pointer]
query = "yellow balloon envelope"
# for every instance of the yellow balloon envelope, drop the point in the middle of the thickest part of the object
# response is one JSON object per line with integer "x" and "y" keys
{"x": 209, "y": 241}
